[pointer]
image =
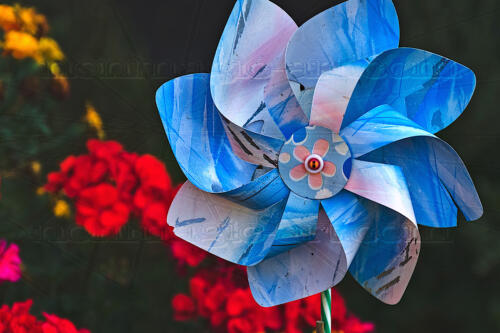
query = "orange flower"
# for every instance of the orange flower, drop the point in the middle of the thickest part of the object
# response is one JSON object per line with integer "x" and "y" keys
{"x": 8, "y": 19}
{"x": 32, "y": 22}
{"x": 20, "y": 45}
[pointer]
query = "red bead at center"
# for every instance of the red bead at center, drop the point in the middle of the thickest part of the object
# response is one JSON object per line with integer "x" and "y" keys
{"x": 314, "y": 164}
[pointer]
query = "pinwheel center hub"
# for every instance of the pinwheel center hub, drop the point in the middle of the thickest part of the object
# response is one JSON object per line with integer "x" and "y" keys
{"x": 315, "y": 163}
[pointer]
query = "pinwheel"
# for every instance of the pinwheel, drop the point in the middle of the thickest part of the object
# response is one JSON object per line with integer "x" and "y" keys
{"x": 310, "y": 151}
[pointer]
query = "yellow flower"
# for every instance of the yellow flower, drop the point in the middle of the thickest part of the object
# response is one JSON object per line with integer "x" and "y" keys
{"x": 36, "y": 167}
{"x": 62, "y": 209}
{"x": 94, "y": 120}
{"x": 49, "y": 51}
{"x": 40, "y": 191}
{"x": 20, "y": 45}
{"x": 8, "y": 20}
{"x": 55, "y": 69}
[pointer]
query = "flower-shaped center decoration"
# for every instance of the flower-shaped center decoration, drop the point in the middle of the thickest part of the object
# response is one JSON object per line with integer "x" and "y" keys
{"x": 315, "y": 163}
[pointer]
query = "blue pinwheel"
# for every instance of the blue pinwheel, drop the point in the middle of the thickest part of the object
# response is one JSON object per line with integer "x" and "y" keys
{"x": 310, "y": 151}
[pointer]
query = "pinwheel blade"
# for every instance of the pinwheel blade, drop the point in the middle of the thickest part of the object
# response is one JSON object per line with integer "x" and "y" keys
{"x": 224, "y": 228}
{"x": 260, "y": 193}
{"x": 433, "y": 171}
{"x": 351, "y": 31}
{"x": 332, "y": 94}
{"x": 256, "y": 33}
{"x": 298, "y": 224}
{"x": 381, "y": 183}
{"x": 281, "y": 101}
{"x": 379, "y": 127}
{"x": 430, "y": 90}
{"x": 387, "y": 257}
{"x": 301, "y": 272}
{"x": 209, "y": 148}
{"x": 197, "y": 137}
{"x": 351, "y": 218}
{"x": 253, "y": 147}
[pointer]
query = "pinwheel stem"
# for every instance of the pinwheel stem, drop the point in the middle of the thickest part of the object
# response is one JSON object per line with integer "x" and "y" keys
{"x": 326, "y": 310}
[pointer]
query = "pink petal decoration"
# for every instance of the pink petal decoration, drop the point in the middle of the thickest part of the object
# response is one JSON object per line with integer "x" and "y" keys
{"x": 298, "y": 173}
{"x": 301, "y": 153}
{"x": 321, "y": 147}
{"x": 315, "y": 181}
{"x": 329, "y": 169}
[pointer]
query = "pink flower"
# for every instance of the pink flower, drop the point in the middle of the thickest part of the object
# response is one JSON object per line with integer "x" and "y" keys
{"x": 312, "y": 165}
{"x": 10, "y": 263}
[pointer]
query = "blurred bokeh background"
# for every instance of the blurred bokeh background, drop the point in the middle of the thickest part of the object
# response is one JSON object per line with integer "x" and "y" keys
{"x": 118, "y": 53}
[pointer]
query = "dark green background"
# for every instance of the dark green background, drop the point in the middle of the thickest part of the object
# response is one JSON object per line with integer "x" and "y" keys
{"x": 119, "y": 52}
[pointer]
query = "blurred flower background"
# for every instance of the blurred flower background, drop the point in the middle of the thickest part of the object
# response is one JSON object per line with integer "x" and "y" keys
{"x": 86, "y": 177}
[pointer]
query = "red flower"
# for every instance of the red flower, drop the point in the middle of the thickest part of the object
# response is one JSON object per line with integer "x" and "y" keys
{"x": 187, "y": 253}
{"x": 354, "y": 325}
{"x": 125, "y": 177}
{"x": 222, "y": 295}
{"x": 85, "y": 172}
{"x": 100, "y": 212}
{"x": 54, "y": 324}
{"x": 25, "y": 323}
{"x": 339, "y": 312}
{"x": 153, "y": 175}
{"x": 137, "y": 186}
{"x": 240, "y": 325}
{"x": 18, "y": 320}
{"x": 216, "y": 297}
{"x": 104, "y": 149}
{"x": 154, "y": 220}
{"x": 184, "y": 307}
{"x": 198, "y": 288}
{"x": 240, "y": 301}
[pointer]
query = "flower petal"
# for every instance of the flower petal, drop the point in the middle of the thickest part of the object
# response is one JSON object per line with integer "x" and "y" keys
{"x": 298, "y": 224}
{"x": 301, "y": 272}
{"x": 386, "y": 259}
{"x": 433, "y": 171}
{"x": 329, "y": 169}
{"x": 298, "y": 173}
{"x": 430, "y": 90}
{"x": 379, "y": 127}
{"x": 382, "y": 183}
{"x": 256, "y": 33}
{"x": 222, "y": 227}
{"x": 351, "y": 31}
{"x": 332, "y": 94}
{"x": 315, "y": 181}
{"x": 301, "y": 153}
{"x": 321, "y": 147}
